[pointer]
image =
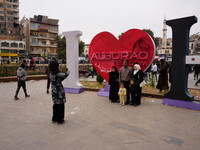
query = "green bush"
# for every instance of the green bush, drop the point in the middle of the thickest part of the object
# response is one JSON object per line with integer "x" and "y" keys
{"x": 99, "y": 79}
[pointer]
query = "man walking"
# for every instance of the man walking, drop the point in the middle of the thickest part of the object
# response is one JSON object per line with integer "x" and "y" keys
{"x": 21, "y": 75}
{"x": 124, "y": 77}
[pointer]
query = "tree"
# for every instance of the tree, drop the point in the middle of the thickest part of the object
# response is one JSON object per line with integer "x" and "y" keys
{"x": 61, "y": 47}
{"x": 156, "y": 40}
{"x": 152, "y": 36}
{"x": 81, "y": 47}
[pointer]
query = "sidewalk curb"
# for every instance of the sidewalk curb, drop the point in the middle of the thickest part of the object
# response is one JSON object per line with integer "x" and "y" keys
{"x": 29, "y": 77}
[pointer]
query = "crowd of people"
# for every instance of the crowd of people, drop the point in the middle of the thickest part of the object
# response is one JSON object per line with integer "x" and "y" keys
{"x": 126, "y": 84}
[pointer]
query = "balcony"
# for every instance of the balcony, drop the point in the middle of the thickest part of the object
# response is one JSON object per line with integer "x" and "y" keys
{"x": 43, "y": 45}
{"x": 16, "y": 9}
{"x": 16, "y": 2}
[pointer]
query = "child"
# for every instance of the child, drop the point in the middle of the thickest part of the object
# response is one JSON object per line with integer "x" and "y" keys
{"x": 122, "y": 94}
{"x": 58, "y": 93}
{"x": 135, "y": 91}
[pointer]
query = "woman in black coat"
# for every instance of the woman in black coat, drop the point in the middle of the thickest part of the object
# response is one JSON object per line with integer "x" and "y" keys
{"x": 138, "y": 76}
{"x": 163, "y": 77}
{"x": 114, "y": 84}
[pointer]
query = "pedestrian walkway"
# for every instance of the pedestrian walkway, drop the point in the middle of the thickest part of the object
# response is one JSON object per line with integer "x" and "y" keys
{"x": 93, "y": 123}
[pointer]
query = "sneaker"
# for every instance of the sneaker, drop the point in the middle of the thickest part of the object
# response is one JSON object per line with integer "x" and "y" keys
{"x": 123, "y": 104}
{"x": 120, "y": 103}
{"x": 16, "y": 98}
{"x": 27, "y": 96}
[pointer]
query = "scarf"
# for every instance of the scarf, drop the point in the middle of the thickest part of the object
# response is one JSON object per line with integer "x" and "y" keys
{"x": 136, "y": 69}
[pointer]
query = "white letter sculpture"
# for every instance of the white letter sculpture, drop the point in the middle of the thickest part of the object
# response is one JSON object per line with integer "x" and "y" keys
{"x": 72, "y": 84}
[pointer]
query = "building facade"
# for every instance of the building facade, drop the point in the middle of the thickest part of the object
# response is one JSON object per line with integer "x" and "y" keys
{"x": 39, "y": 33}
{"x": 164, "y": 49}
{"x": 11, "y": 44}
{"x": 195, "y": 44}
{"x": 12, "y": 50}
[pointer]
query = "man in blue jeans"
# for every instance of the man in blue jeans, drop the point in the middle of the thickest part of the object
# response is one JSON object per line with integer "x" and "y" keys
{"x": 21, "y": 75}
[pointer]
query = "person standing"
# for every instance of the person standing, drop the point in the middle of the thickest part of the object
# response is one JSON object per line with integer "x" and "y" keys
{"x": 135, "y": 91}
{"x": 154, "y": 70}
{"x": 163, "y": 77}
{"x": 122, "y": 94}
{"x": 138, "y": 76}
{"x": 48, "y": 78}
{"x": 198, "y": 81}
{"x": 114, "y": 84}
{"x": 21, "y": 76}
{"x": 196, "y": 71}
{"x": 124, "y": 77}
{"x": 57, "y": 90}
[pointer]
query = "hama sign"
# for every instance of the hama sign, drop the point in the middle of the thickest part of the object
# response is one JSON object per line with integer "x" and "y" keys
{"x": 134, "y": 45}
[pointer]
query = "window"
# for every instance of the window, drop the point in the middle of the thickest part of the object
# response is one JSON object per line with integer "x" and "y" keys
{"x": 9, "y": 6}
{"x": 43, "y": 35}
{"x": 2, "y": 24}
{"x": 23, "y": 51}
{"x": 21, "y": 45}
{"x": 34, "y": 26}
{"x": 1, "y": 5}
{"x": 34, "y": 34}
{"x": 15, "y": 6}
{"x": 192, "y": 46}
{"x": 167, "y": 52}
{"x": 34, "y": 40}
{"x": 44, "y": 50}
{"x": 1, "y": 12}
{"x": 52, "y": 43}
{"x": 4, "y": 51}
{"x": 5, "y": 44}
{"x": 10, "y": 13}
{"x": 43, "y": 42}
{"x": 13, "y": 51}
{"x": 10, "y": 25}
{"x": 14, "y": 44}
{"x": 53, "y": 28}
{"x": 1, "y": 18}
{"x": 2, "y": 31}
{"x": 52, "y": 36}
{"x": 10, "y": 18}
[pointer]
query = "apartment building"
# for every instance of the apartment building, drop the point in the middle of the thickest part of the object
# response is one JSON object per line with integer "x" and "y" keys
{"x": 11, "y": 44}
{"x": 39, "y": 33}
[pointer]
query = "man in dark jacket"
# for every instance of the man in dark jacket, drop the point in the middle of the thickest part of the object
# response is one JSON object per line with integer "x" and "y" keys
{"x": 21, "y": 75}
{"x": 124, "y": 77}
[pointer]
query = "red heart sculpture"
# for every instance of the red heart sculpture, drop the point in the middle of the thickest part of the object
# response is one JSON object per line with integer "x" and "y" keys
{"x": 106, "y": 51}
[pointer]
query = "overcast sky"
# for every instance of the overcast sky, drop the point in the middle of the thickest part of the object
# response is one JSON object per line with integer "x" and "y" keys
{"x": 115, "y": 16}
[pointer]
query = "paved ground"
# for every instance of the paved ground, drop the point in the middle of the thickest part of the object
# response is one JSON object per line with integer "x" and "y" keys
{"x": 93, "y": 122}
{"x": 191, "y": 81}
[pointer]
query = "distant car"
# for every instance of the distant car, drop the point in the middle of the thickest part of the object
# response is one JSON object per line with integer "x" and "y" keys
{"x": 84, "y": 73}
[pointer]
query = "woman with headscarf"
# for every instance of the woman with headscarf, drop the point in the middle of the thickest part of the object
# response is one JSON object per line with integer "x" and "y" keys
{"x": 138, "y": 76}
{"x": 114, "y": 84}
{"x": 58, "y": 93}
